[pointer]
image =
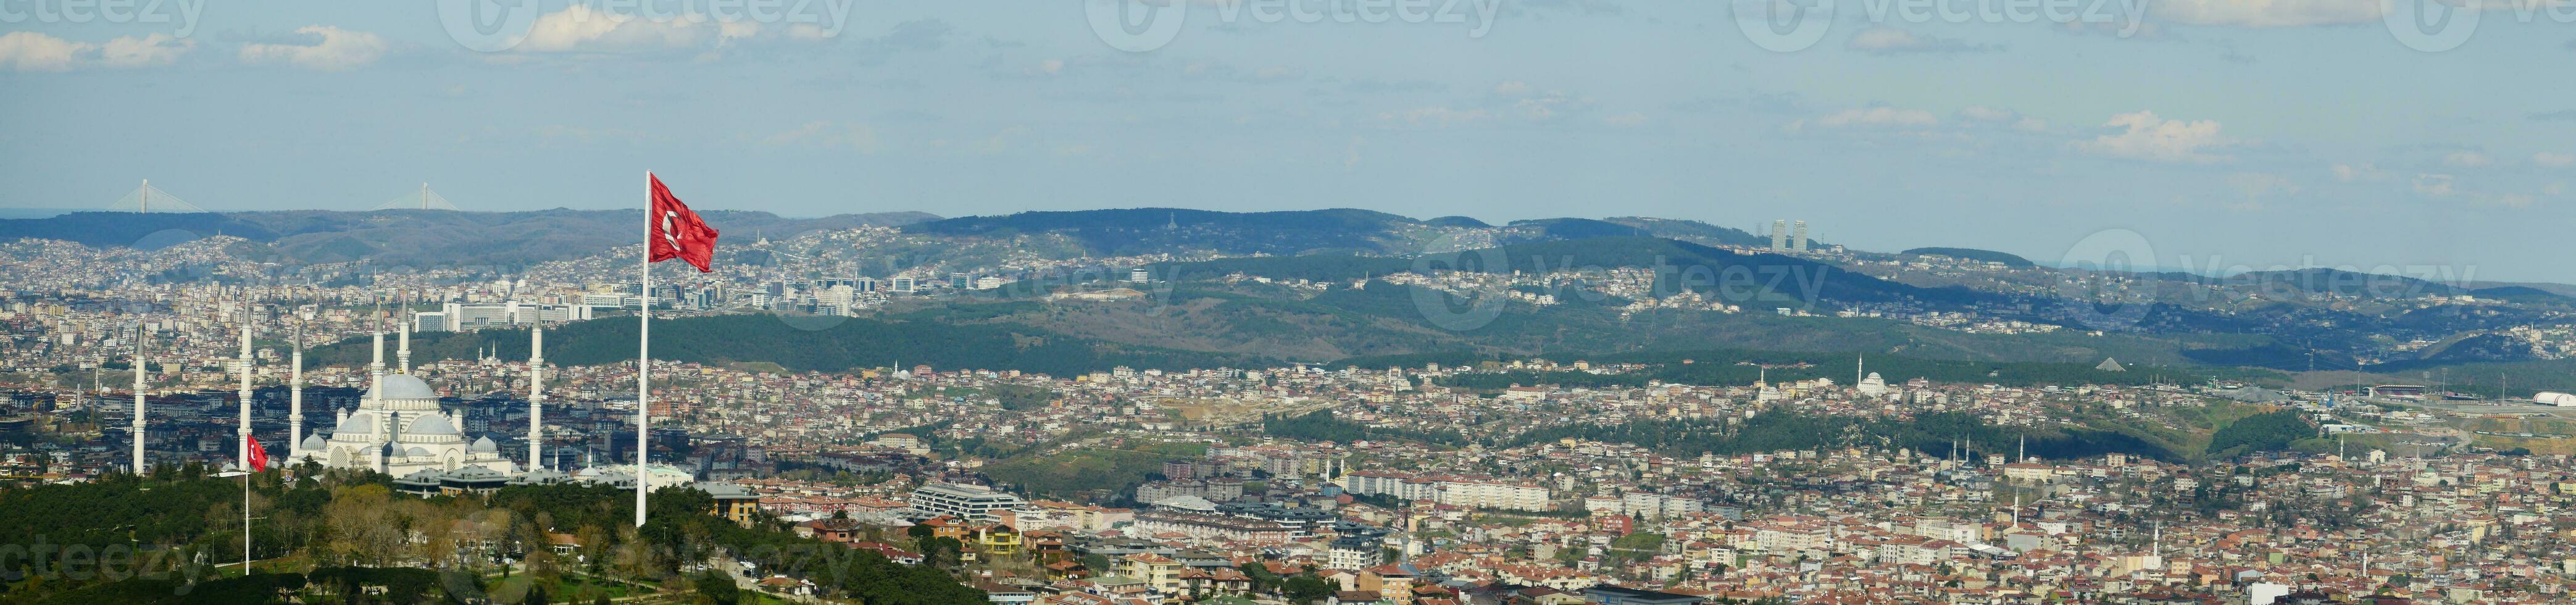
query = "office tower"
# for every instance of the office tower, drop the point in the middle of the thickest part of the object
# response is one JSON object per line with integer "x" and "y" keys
{"x": 1798, "y": 240}
{"x": 1780, "y": 235}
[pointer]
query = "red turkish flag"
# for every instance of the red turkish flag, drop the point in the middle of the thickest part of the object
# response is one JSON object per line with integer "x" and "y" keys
{"x": 679, "y": 233}
{"x": 258, "y": 455}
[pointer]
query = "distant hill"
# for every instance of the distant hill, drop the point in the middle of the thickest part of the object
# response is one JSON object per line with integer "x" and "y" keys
{"x": 2523, "y": 294}
{"x": 2344, "y": 283}
{"x": 1692, "y": 231}
{"x": 1136, "y": 231}
{"x": 1755, "y": 279}
{"x": 417, "y": 237}
{"x": 103, "y": 229}
{"x": 1549, "y": 229}
{"x": 1990, "y": 256}
{"x": 1148, "y": 230}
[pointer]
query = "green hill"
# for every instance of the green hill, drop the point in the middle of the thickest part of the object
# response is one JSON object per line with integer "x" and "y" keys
{"x": 2008, "y": 259}
{"x": 841, "y": 345}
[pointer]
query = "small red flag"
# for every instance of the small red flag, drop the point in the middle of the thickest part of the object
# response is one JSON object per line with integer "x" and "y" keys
{"x": 679, "y": 233}
{"x": 258, "y": 455}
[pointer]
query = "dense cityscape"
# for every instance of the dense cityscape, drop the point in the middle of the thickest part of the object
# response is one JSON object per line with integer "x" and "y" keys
{"x": 1287, "y": 302}
{"x": 1505, "y": 479}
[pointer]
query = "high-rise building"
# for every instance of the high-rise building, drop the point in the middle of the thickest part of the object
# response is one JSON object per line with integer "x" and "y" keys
{"x": 970, "y": 502}
{"x": 475, "y": 316}
{"x": 1139, "y": 276}
{"x": 902, "y": 284}
{"x": 1798, "y": 239}
{"x": 1780, "y": 235}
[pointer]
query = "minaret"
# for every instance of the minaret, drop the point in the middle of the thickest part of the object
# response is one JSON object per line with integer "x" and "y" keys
{"x": 536, "y": 393}
{"x": 376, "y": 368}
{"x": 141, "y": 364}
{"x": 244, "y": 459}
{"x": 295, "y": 399}
{"x": 402, "y": 355}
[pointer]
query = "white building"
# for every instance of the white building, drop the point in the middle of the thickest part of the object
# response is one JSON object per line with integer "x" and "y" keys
{"x": 972, "y": 502}
{"x": 398, "y": 429}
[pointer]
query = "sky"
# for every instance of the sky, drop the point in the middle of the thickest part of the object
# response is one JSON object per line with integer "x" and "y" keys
{"x": 2210, "y": 135}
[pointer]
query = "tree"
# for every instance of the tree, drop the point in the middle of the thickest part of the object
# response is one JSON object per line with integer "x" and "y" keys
{"x": 1307, "y": 588}
{"x": 716, "y": 588}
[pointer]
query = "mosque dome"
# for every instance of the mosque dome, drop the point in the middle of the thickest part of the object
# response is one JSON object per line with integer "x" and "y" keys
{"x": 484, "y": 445}
{"x": 314, "y": 443}
{"x": 360, "y": 423}
{"x": 401, "y": 386}
{"x": 431, "y": 425}
{"x": 417, "y": 451}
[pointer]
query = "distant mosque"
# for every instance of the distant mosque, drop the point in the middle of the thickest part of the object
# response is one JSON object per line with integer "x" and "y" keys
{"x": 398, "y": 428}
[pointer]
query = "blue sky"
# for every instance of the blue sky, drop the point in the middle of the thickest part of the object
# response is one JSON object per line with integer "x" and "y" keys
{"x": 2224, "y": 133}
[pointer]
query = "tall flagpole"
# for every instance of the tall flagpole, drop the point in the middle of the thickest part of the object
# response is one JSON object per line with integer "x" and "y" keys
{"x": 245, "y": 394}
{"x": 643, "y": 354}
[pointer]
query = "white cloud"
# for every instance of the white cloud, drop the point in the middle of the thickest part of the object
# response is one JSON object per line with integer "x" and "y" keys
{"x": 32, "y": 51}
{"x": 580, "y": 28}
{"x": 2147, "y": 137}
{"x": 150, "y": 50}
{"x": 1629, "y": 119}
{"x": 2268, "y": 13}
{"x": 335, "y": 49}
{"x": 2553, "y": 160}
{"x": 1889, "y": 40}
{"x": 1512, "y": 88}
{"x": 2467, "y": 159}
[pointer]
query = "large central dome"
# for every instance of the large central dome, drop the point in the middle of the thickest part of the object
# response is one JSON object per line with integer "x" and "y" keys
{"x": 401, "y": 386}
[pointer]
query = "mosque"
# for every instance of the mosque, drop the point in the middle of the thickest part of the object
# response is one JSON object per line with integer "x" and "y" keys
{"x": 398, "y": 428}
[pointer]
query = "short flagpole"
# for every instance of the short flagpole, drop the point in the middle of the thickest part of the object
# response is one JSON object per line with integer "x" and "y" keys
{"x": 643, "y": 355}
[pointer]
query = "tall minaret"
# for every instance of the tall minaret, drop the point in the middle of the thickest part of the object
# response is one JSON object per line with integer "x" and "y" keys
{"x": 376, "y": 369}
{"x": 295, "y": 399}
{"x": 244, "y": 459}
{"x": 536, "y": 393}
{"x": 402, "y": 355}
{"x": 141, "y": 364}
